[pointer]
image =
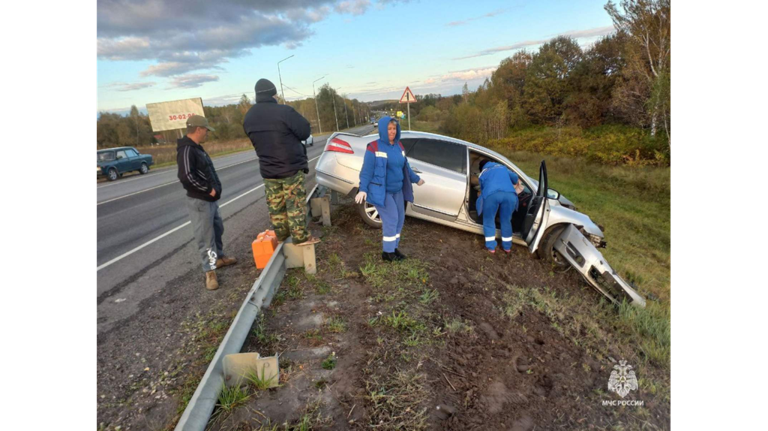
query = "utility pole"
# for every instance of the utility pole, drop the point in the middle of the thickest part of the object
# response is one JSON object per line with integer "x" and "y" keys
{"x": 333, "y": 93}
{"x": 319, "y": 124}
{"x": 345, "y": 110}
{"x": 281, "y": 77}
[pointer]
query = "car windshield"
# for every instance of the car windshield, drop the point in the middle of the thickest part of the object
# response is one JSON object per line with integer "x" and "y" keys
{"x": 106, "y": 156}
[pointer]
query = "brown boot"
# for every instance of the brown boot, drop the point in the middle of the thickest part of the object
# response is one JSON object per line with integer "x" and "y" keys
{"x": 210, "y": 280}
{"x": 225, "y": 261}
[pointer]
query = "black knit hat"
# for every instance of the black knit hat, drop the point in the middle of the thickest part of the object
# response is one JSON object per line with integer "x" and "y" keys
{"x": 265, "y": 87}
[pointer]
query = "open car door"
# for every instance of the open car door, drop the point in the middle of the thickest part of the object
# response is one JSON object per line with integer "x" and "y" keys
{"x": 535, "y": 222}
{"x": 585, "y": 257}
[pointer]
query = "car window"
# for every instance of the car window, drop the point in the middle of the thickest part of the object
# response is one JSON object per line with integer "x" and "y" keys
{"x": 408, "y": 144}
{"x": 131, "y": 153}
{"x": 441, "y": 153}
{"x": 121, "y": 154}
{"x": 106, "y": 156}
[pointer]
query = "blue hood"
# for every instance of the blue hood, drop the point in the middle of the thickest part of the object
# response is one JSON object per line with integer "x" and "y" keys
{"x": 383, "y": 135}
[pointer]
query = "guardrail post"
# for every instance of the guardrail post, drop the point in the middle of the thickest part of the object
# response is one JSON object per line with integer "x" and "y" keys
{"x": 300, "y": 256}
{"x": 322, "y": 206}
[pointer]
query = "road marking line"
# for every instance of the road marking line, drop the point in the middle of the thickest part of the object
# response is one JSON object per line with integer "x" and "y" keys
{"x": 128, "y": 253}
{"x": 172, "y": 182}
{"x": 135, "y": 193}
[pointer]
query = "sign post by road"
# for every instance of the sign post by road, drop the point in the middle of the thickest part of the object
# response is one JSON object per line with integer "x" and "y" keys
{"x": 408, "y": 98}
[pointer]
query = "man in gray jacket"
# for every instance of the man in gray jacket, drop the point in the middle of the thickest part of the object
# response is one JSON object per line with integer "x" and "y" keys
{"x": 199, "y": 178}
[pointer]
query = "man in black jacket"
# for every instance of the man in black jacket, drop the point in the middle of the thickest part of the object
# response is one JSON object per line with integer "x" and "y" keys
{"x": 276, "y": 132}
{"x": 198, "y": 176}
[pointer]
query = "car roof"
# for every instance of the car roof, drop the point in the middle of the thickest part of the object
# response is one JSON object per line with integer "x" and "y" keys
{"x": 113, "y": 149}
{"x": 404, "y": 134}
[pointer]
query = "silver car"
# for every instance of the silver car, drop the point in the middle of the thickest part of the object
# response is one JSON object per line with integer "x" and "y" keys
{"x": 309, "y": 141}
{"x": 546, "y": 222}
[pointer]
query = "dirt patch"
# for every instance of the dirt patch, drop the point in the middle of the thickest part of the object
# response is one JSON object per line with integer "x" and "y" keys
{"x": 451, "y": 338}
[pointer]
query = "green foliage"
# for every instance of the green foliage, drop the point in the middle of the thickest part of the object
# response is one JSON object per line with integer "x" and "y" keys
{"x": 330, "y": 362}
{"x": 610, "y": 145}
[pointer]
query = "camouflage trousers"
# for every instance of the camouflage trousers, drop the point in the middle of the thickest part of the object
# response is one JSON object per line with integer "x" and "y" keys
{"x": 286, "y": 201}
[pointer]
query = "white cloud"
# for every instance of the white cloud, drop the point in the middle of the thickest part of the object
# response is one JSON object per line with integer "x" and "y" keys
{"x": 353, "y": 7}
{"x": 191, "y": 81}
{"x": 576, "y": 34}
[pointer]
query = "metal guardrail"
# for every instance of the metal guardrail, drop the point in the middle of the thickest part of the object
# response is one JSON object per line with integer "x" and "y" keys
{"x": 200, "y": 407}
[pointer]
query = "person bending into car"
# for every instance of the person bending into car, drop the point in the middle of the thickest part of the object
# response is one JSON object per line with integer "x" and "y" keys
{"x": 386, "y": 182}
{"x": 498, "y": 194}
{"x": 198, "y": 176}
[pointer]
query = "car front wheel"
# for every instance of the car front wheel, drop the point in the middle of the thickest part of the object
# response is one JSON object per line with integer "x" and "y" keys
{"x": 112, "y": 174}
{"x": 547, "y": 250}
{"x": 144, "y": 169}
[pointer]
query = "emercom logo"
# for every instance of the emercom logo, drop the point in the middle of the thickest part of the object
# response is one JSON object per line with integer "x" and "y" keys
{"x": 622, "y": 381}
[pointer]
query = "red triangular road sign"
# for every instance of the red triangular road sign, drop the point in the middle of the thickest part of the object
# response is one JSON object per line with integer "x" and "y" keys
{"x": 407, "y": 96}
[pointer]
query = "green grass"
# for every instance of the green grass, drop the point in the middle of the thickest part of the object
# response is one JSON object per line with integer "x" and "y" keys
{"x": 330, "y": 362}
{"x": 313, "y": 334}
{"x": 294, "y": 288}
{"x": 406, "y": 273}
{"x": 259, "y": 380}
{"x": 260, "y": 331}
{"x": 633, "y": 204}
{"x": 337, "y": 325}
{"x": 429, "y": 296}
{"x": 456, "y": 326}
{"x": 231, "y": 398}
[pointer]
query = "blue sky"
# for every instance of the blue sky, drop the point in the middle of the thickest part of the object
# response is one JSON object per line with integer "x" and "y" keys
{"x": 159, "y": 50}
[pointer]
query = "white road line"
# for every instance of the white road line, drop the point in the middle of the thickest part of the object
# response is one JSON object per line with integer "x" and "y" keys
{"x": 135, "y": 193}
{"x": 124, "y": 255}
{"x": 172, "y": 182}
{"x": 162, "y": 171}
{"x": 99, "y": 268}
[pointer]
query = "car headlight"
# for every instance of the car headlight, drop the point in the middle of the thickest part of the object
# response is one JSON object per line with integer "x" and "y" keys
{"x": 597, "y": 241}
{"x": 98, "y": 168}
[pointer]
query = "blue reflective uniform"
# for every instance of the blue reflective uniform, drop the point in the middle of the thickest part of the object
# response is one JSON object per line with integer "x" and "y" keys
{"x": 497, "y": 195}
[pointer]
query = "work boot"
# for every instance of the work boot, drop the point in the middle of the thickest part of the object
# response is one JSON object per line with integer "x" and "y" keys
{"x": 211, "y": 283}
{"x": 225, "y": 261}
{"x": 389, "y": 257}
{"x": 310, "y": 240}
{"x": 400, "y": 256}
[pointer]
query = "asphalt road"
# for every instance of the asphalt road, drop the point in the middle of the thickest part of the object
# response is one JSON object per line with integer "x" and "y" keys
{"x": 144, "y": 238}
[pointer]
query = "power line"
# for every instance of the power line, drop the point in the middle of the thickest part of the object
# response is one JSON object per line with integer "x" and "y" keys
{"x": 300, "y": 94}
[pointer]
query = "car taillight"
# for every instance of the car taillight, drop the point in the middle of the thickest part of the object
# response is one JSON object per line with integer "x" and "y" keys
{"x": 339, "y": 146}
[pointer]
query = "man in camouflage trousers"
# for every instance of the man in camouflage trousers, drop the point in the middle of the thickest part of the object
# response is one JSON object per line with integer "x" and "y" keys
{"x": 276, "y": 132}
{"x": 286, "y": 201}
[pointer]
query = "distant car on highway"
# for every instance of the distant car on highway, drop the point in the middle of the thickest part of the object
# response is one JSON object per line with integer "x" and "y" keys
{"x": 546, "y": 222}
{"x": 309, "y": 142}
{"x": 114, "y": 162}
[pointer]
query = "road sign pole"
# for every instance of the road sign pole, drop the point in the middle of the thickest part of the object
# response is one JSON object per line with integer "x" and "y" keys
{"x": 409, "y": 116}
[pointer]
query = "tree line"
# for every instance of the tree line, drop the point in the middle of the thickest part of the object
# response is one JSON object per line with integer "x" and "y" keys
{"x": 623, "y": 79}
{"x": 334, "y": 111}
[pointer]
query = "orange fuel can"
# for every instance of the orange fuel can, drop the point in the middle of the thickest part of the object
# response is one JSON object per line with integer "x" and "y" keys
{"x": 263, "y": 248}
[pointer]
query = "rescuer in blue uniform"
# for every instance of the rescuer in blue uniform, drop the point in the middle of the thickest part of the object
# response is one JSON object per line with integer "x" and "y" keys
{"x": 386, "y": 182}
{"x": 497, "y": 194}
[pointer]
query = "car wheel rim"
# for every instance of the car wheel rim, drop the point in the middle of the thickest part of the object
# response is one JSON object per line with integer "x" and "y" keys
{"x": 372, "y": 213}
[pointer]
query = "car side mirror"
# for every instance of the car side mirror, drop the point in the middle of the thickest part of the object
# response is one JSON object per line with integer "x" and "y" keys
{"x": 553, "y": 194}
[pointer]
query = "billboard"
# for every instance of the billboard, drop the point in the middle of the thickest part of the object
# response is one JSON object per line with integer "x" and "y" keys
{"x": 173, "y": 115}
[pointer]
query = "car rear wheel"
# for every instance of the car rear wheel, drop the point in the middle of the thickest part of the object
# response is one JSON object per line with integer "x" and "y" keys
{"x": 370, "y": 215}
{"x": 112, "y": 174}
{"x": 144, "y": 169}
{"x": 547, "y": 250}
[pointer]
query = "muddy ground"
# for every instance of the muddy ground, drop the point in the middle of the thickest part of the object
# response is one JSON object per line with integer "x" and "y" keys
{"x": 450, "y": 339}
